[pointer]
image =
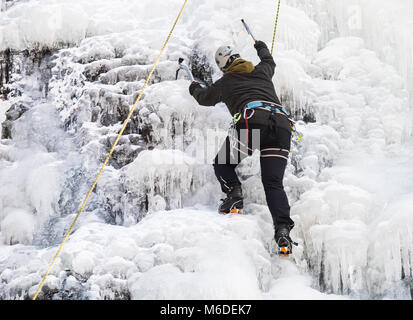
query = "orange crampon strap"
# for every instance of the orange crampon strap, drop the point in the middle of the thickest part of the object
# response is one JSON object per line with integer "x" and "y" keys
{"x": 284, "y": 251}
{"x": 233, "y": 211}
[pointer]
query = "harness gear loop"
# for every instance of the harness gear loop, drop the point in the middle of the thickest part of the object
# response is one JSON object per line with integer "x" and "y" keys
{"x": 275, "y": 26}
{"x": 111, "y": 151}
{"x": 246, "y": 117}
{"x": 236, "y": 117}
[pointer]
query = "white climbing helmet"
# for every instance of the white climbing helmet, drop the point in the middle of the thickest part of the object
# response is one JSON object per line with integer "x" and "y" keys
{"x": 225, "y": 55}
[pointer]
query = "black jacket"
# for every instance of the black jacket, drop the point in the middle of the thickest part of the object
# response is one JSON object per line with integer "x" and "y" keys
{"x": 237, "y": 89}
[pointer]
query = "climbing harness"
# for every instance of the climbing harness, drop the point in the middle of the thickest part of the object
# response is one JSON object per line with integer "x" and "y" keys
{"x": 275, "y": 108}
{"x": 267, "y": 106}
{"x": 248, "y": 112}
{"x": 111, "y": 151}
{"x": 275, "y": 26}
{"x": 272, "y": 107}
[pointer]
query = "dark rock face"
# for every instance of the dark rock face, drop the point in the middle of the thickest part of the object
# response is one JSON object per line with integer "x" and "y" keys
{"x": 16, "y": 72}
{"x": 200, "y": 67}
{"x": 14, "y": 113}
{"x": 5, "y": 71}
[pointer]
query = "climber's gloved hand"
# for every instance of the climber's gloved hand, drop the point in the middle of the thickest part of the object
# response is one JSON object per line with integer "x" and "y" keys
{"x": 193, "y": 86}
{"x": 259, "y": 44}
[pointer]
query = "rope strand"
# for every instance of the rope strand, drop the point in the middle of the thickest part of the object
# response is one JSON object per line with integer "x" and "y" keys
{"x": 275, "y": 26}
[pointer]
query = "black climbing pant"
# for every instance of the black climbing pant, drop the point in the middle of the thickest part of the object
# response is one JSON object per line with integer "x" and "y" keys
{"x": 274, "y": 145}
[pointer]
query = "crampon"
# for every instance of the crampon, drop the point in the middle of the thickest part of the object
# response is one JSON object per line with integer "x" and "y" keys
{"x": 233, "y": 211}
{"x": 233, "y": 203}
{"x": 285, "y": 246}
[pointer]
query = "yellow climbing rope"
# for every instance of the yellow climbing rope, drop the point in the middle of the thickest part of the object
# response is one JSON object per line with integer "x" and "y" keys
{"x": 110, "y": 153}
{"x": 275, "y": 26}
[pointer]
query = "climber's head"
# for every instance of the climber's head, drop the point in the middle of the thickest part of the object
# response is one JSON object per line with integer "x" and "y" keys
{"x": 225, "y": 56}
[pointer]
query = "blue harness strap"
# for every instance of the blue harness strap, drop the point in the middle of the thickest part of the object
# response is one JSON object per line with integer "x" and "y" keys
{"x": 254, "y": 104}
{"x": 270, "y": 106}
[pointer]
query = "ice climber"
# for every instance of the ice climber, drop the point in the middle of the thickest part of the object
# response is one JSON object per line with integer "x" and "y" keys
{"x": 260, "y": 122}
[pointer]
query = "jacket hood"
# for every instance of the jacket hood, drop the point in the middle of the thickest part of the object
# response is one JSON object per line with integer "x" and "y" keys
{"x": 241, "y": 66}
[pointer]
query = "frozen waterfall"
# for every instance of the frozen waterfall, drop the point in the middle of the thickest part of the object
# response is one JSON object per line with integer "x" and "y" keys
{"x": 71, "y": 70}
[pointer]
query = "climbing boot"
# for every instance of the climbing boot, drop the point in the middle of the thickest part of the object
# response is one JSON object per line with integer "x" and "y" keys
{"x": 233, "y": 203}
{"x": 283, "y": 240}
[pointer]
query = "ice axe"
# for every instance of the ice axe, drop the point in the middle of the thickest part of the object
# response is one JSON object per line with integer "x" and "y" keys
{"x": 183, "y": 66}
{"x": 248, "y": 30}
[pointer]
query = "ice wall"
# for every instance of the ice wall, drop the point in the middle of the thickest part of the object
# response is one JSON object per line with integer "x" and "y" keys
{"x": 384, "y": 25}
{"x": 335, "y": 71}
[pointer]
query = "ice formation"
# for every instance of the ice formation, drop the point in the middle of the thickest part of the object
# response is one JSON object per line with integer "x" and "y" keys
{"x": 70, "y": 71}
